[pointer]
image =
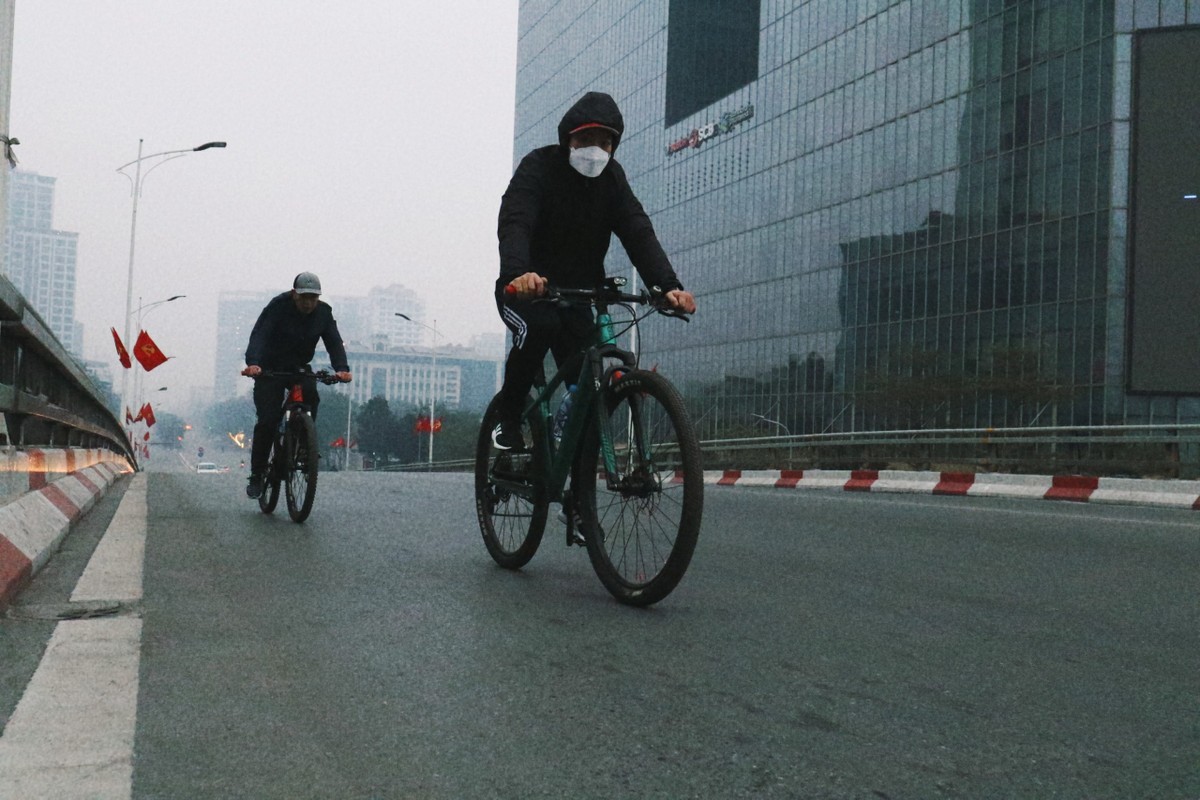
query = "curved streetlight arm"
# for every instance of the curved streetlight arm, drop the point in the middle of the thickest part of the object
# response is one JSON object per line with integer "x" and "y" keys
{"x": 172, "y": 153}
{"x": 147, "y": 306}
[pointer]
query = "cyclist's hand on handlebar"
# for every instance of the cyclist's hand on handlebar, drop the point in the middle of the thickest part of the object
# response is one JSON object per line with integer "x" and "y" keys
{"x": 252, "y": 371}
{"x": 344, "y": 377}
{"x": 680, "y": 300}
{"x": 526, "y": 286}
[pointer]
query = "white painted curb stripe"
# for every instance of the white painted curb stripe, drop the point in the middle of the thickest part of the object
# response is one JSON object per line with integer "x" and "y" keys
{"x": 115, "y": 569}
{"x": 71, "y": 735}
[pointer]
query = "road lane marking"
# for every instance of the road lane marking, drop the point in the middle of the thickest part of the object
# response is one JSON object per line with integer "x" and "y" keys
{"x": 114, "y": 571}
{"x": 72, "y": 733}
{"x": 71, "y": 736}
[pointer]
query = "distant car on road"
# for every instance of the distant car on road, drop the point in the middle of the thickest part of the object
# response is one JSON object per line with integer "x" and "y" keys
{"x": 208, "y": 466}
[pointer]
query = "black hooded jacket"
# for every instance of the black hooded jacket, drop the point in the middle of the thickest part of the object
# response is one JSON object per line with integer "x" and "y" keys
{"x": 557, "y": 223}
{"x": 283, "y": 338}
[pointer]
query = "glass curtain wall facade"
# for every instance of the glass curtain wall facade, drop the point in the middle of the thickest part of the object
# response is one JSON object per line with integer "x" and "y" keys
{"x": 908, "y": 215}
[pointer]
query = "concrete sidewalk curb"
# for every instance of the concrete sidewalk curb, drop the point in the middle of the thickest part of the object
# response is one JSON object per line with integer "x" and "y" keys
{"x": 1071, "y": 488}
{"x": 62, "y": 486}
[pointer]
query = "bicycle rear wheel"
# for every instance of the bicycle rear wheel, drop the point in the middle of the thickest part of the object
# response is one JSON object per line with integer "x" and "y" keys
{"x": 300, "y": 442}
{"x": 642, "y": 523}
{"x": 269, "y": 497}
{"x": 510, "y": 499}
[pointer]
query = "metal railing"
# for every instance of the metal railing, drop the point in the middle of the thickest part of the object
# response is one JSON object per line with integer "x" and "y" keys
{"x": 1159, "y": 451}
{"x": 46, "y": 399}
{"x": 1163, "y": 451}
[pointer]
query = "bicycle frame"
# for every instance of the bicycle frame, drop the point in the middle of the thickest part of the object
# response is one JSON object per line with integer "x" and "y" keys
{"x": 593, "y": 376}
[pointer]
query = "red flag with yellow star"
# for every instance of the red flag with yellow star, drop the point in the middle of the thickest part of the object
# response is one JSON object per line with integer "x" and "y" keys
{"x": 147, "y": 352}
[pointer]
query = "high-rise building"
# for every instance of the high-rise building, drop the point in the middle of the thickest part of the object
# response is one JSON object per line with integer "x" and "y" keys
{"x": 237, "y": 312}
{"x": 903, "y": 213}
{"x": 372, "y": 321}
{"x": 39, "y": 260}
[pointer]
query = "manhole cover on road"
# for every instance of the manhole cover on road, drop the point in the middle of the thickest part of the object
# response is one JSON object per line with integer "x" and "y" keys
{"x": 66, "y": 611}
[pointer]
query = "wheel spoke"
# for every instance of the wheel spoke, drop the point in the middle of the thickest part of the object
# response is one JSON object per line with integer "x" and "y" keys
{"x": 512, "y": 524}
{"x": 649, "y": 519}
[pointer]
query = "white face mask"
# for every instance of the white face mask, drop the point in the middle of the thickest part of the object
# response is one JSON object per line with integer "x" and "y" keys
{"x": 589, "y": 161}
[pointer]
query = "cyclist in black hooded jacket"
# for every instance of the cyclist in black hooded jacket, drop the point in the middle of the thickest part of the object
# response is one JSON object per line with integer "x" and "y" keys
{"x": 557, "y": 218}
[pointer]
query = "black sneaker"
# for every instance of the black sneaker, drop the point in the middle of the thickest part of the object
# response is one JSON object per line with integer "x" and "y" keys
{"x": 508, "y": 436}
{"x": 254, "y": 486}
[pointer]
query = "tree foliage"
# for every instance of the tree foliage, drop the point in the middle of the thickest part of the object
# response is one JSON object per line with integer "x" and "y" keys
{"x": 378, "y": 429}
{"x": 167, "y": 430}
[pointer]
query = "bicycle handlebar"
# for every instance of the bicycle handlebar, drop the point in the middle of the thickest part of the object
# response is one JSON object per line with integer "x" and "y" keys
{"x": 610, "y": 294}
{"x": 324, "y": 376}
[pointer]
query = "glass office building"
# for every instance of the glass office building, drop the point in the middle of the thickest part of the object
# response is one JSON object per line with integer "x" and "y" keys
{"x": 913, "y": 214}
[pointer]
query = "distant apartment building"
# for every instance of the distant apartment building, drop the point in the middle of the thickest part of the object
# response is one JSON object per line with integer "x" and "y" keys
{"x": 458, "y": 378}
{"x": 391, "y": 356}
{"x": 39, "y": 260}
{"x": 373, "y": 321}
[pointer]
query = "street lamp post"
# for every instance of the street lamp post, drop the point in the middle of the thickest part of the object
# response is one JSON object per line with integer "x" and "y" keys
{"x": 432, "y": 377}
{"x": 137, "y": 179}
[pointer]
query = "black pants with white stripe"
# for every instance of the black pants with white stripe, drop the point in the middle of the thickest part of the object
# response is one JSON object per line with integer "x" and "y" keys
{"x": 537, "y": 326}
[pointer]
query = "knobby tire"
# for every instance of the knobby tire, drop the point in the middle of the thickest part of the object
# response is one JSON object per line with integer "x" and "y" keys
{"x": 269, "y": 497}
{"x": 300, "y": 443}
{"x": 511, "y": 522}
{"x": 641, "y": 536}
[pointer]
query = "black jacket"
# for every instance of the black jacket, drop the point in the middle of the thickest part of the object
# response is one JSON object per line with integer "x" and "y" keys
{"x": 557, "y": 223}
{"x": 283, "y": 338}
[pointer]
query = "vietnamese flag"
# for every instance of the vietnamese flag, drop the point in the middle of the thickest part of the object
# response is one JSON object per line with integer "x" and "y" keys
{"x": 148, "y": 415}
{"x": 147, "y": 352}
{"x": 122, "y": 353}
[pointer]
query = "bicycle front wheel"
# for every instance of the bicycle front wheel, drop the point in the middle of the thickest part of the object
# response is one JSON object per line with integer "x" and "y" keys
{"x": 269, "y": 497}
{"x": 642, "y": 520}
{"x": 510, "y": 498}
{"x": 300, "y": 441}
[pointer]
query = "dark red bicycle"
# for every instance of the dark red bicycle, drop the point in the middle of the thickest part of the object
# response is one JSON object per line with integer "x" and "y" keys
{"x": 294, "y": 457}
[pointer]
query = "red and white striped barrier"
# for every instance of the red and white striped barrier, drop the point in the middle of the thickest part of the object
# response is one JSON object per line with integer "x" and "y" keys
{"x": 60, "y": 486}
{"x": 1074, "y": 488}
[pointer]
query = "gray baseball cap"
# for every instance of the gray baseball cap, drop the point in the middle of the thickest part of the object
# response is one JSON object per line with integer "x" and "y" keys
{"x": 307, "y": 283}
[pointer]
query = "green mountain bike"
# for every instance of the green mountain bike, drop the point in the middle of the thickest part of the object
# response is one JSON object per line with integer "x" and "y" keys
{"x": 636, "y": 493}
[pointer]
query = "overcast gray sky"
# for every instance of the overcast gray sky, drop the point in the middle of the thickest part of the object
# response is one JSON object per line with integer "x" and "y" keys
{"x": 369, "y": 142}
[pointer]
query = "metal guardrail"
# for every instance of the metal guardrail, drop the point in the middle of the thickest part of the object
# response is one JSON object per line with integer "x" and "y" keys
{"x": 1161, "y": 451}
{"x": 1165, "y": 451}
{"x": 46, "y": 399}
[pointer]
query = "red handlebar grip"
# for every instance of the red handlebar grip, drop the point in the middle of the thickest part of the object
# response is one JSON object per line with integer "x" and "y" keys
{"x": 510, "y": 289}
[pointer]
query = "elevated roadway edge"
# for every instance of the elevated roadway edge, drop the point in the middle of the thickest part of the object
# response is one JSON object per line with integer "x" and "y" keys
{"x": 44, "y": 493}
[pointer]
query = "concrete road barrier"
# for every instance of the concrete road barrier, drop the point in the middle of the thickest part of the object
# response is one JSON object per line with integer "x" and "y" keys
{"x": 1071, "y": 488}
{"x": 44, "y": 493}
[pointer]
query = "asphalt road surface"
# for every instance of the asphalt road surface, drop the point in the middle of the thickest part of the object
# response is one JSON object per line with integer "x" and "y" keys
{"x": 822, "y": 645}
